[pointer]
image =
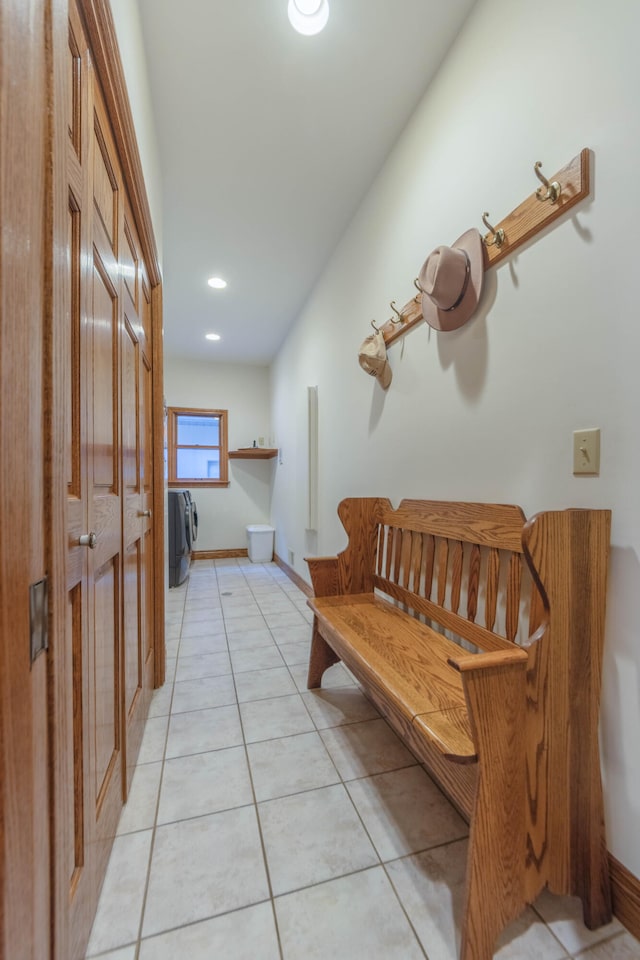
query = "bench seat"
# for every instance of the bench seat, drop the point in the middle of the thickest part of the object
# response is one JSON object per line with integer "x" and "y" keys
{"x": 382, "y": 644}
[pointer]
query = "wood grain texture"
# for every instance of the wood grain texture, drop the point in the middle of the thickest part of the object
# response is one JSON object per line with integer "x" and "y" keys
{"x": 533, "y": 215}
{"x": 487, "y": 524}
{"x": 625, "y": 891}
{"x": 220, "y": 554}
{"x": 476, "y": 634}
{"x": 253, "y": 453}
{"x": 569, "y": 552}
{"x": 522, "y": 718}
{"x": 293, "y": 576}
{"x": 496, "y": 701}
{"x": 104, "y": 46}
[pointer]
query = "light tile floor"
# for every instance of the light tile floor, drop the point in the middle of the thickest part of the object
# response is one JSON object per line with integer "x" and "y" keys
{"x": 267, "y": 822}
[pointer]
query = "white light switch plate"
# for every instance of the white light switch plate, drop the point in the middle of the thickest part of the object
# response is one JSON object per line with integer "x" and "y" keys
{"x": 586, "y": 451}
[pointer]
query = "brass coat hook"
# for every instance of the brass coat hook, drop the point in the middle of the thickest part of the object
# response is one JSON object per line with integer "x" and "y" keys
{"x": 373, "y": 324}
{"x": 419, "y": 288}
{"x": 497, "y": 236}
{"x": 397, "y": 313}
{"x": 553, "y": 189}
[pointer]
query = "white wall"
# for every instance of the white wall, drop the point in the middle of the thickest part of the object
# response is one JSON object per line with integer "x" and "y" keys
{"x": 243, "y": 390}
{"x": 126, "y": 18}
{"x": 487, "y": 412}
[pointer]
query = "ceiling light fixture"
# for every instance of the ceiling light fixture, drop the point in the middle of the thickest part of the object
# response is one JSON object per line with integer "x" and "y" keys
{"x": 308, "y": 16}
{"x": 217, "y": 283}
{"x": 212, "y": 336}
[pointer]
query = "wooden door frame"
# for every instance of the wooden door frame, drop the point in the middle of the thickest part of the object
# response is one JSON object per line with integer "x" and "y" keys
{"x": 24, "y": 298}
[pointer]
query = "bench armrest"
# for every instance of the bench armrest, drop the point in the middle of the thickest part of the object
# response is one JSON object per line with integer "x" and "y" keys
{"x": 488, "y": 661}
{"x": 325, "y": 576}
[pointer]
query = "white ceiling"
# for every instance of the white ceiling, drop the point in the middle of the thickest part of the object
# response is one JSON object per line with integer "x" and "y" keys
{"x": 268, "y": 142}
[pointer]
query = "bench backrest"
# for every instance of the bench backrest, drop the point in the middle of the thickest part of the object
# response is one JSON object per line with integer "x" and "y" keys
{"x": 460, "y": 565}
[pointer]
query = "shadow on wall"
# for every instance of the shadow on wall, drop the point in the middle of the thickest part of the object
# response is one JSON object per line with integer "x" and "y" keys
{"x": 466, "y": 350}
{"x": 621, "y": 685}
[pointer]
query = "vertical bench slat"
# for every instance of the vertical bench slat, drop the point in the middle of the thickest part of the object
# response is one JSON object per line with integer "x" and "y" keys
{"x": 406, "y": 558}
{"x": 416, "y": 560}
{"x": 428, "y": 552}
{"x": 390, "y": 539}
{"x": 456, "y": 573}
{"x": 397, "y": 554}
{"x": 473, "y": 583}
{"x": 443, "y": 559}
{"x": 514, "y": 579}
{"x": 491, "y": 596}
{"x": 380, "y": 549}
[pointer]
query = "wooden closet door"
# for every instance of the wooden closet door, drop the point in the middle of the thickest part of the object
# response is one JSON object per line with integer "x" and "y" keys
{"x": 88, "y": 726}
{"x": 107, "y": 342}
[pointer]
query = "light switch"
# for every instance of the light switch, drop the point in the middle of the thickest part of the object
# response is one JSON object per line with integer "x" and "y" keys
{"x": 586, "y": 451}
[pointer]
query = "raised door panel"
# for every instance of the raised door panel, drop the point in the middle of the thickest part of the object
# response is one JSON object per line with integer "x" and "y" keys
{"x": 105, "y": 185}
{"x": 106, "y": 664}
{"x": 75, "y": 79}
{"x": 133, "y": 653}
{"x": 130, "y": 426}
{"x": 129, "y": 261}
{"x": 77, "y": 852}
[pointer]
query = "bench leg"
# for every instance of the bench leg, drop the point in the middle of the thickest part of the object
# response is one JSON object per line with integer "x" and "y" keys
{"x": 495, "y": 893}
{"x": 321, "y": 658}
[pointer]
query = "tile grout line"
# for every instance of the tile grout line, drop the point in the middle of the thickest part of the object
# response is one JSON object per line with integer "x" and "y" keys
{"x": 157, "y": 809}
{"x": 259, "y": 825}
{"x": 137, "y": 942}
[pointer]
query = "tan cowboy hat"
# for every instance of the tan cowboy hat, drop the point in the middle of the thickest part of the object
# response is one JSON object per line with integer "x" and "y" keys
{"x": 451, "y": 282}
{"x": 373, "y": 358}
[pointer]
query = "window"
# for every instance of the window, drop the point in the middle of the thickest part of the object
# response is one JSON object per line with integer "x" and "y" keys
{"x": 197, "y": 447}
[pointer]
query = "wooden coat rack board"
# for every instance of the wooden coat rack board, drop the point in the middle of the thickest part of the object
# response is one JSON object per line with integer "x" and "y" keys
{"x": 528, "y": 219}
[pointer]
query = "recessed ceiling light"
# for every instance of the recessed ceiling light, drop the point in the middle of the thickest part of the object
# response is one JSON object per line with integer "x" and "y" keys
{"x": 217, "y": 282}
{"x": 212, "y": 336}
{"x": 308, "y": 16}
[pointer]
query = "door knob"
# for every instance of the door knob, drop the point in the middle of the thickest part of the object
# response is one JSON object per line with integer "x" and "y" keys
{"x": 146, "y": 513}
{"x": 88, "y": 540}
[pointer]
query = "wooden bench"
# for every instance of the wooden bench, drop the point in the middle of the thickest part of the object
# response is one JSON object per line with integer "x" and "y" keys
{"x": 505, "y": 716}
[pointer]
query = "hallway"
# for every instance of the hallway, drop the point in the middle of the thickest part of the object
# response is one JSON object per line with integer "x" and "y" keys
{"x": 267, "y": 821}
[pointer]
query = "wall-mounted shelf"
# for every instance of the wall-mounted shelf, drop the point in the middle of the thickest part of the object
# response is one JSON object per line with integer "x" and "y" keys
{"x": 519, "y": 226}
{"x": 253, "y": 453}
